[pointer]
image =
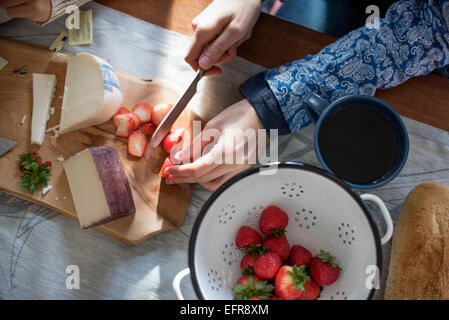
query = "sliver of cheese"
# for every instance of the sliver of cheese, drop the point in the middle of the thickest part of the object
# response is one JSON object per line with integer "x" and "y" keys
{"x": 92, "y": 93}
{"x": 3, "y": 63}
{"x": 99, "y": 186}
{"x": 43, "y": 89}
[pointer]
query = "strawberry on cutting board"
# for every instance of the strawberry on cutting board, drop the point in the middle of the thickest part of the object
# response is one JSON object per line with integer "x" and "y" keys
{"x": 293, "y": 283}
{"x": 143, "y": 110}
{"x": 148, "y": 129}
{"x": 137, "y": 143}
{"x": 299, "y": 256}
{"x": 278, "y": 245}
{"x": 167, "y": 164}
{"x": 251, "y": 286}
{"x": 124, "y": 123}
{"x": 267, "y": 265}
{"x": 159, "y": 112}
{"x": 172, "y": 139}
{"x": 323, "y": 269}
{"x": 273, "y": 221}
{"x": 248, "y": 239}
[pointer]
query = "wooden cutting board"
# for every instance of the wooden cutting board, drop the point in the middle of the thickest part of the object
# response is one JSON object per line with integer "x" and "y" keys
{"x": 158, "y": 207}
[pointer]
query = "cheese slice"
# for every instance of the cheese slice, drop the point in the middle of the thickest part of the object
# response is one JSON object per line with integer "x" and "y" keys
{"x": 4, "y": 16}
{"x": 3, "y": 63}
{"x": 92, "y": 93}
{"x": 43, "y": 89}
{"x": 99, "y": 186}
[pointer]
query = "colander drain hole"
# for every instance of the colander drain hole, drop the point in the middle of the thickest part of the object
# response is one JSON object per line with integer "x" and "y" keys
{"x": 306, "y": 218}
{"x": 346, "y": 234}
{"x": 292, "y": 190}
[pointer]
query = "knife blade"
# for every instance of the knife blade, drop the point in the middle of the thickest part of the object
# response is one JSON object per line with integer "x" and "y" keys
{"x": 6, "y": 145}
{"x": 168, "y": 121}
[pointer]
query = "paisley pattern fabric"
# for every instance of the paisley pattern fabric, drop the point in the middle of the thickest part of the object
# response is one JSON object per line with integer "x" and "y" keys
{"x": 412, "y": 40}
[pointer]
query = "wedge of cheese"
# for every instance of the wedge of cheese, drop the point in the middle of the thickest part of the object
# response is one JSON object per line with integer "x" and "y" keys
{"x": 3, "y": 63}
{"x": 43, "y": 89}
{"x": 92, "y": 93}
{"x": 99, "y": 186}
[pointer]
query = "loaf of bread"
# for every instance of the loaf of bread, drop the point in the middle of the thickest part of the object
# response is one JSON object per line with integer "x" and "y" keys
{"x": 419, "y": 263}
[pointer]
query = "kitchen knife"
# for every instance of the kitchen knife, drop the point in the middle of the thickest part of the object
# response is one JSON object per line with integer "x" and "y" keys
{"x": 6, "y": 145}
{"x": 166, "y": 124}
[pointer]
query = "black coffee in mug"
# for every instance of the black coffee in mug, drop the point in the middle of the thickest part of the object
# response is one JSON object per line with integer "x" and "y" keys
{"x": 358, "y": 144}
{"x": 360, "y": 139}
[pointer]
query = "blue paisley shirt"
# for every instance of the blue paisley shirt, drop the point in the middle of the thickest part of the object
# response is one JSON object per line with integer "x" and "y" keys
{"x": 412, "y": 40}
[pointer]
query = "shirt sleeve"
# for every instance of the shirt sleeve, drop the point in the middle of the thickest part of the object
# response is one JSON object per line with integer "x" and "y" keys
{"x": 58, "y": 8}
{"x": 412, "y": 40}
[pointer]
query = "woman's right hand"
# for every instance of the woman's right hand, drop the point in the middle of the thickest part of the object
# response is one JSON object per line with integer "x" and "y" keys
{"x": 219, "y": 30}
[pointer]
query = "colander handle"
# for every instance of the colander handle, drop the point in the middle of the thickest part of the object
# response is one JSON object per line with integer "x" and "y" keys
{"x": 386, "y": 214}
{"x": 177, "y": 283}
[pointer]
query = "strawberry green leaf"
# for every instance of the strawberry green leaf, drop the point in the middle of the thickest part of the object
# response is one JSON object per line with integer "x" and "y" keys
{"x": 299, "y": 276}
{"x": 326, "y": 257}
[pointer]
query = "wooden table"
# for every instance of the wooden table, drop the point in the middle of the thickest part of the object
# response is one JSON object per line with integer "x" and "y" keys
{"x": 275, "y": 41}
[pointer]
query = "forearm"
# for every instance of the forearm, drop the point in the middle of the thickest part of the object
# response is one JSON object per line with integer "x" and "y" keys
{"x": 58, "y": 8}
{"x": 412, "y": 40}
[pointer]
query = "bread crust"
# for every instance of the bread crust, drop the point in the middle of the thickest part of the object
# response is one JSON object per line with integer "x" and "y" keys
{"x": 419, "y": 262}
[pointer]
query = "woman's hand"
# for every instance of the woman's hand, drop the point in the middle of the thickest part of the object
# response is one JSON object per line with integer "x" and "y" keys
{"x": 219, "y": 30}
{"x": 35, "y": 10}
{"x": 221, "y": 150}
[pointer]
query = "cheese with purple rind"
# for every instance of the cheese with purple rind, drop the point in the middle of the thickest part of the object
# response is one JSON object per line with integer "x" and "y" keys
{"x": 99, "y": 186}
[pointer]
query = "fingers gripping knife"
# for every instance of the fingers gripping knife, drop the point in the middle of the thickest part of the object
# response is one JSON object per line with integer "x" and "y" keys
{"x": 166, "y": 124}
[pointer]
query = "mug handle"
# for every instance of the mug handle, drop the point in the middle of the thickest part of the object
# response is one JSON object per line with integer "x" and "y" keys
{"x": 315, "y": 105}
{"x": 386, "y": 214}
{"x": 177, "y": 283}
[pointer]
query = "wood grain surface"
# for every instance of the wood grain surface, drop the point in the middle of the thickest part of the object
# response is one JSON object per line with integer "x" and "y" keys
{"x": 158, "y": 207}
{"x": 276, "y": 41}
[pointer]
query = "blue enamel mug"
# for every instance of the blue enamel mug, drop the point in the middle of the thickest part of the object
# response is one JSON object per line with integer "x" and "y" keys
{"x": 323, "y": 112}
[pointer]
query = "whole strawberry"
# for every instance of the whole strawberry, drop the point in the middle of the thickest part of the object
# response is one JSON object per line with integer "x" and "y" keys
{"x": 267, "y": 265}
{"x": 248, "y": 239}
{"x": 323, "y": 269}
{"x": 250, "y": 287}
{"x": 273, "y": 221}
{"x": 279, "y": 245}
{"x": 299, "y": 256}
{"x": 247, "y": 263}
{"x": 293, "y": 283}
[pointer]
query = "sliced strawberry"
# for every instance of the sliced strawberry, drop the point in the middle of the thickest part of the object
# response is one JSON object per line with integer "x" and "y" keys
{"x": 172, "y": 139}
{"x": 124, "y": 124}
{"x": 323, "y": 269}
{"x": 159, "y": 112}
{"x": 279, "y": 245}
{"x": 248, "y": 239}
{"x": 144, "y": 111}
{"x": 291, "y": 283}
{"x": 123, "y": 110}
{"x": 251, "y": 287}
{"x": 148, "y": 129}
{"x": 267, "y": 265}
{"x": 137, "y": 143}
{"x": 273, "y": 221}
{"x": 299, "y": 256}
{"x": 247, "y": 263}
{"x": 167, "y": 164}
{"x": 136, "y": 120}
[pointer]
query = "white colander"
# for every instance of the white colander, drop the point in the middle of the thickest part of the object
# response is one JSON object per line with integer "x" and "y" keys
{"x": 324, "y": 213}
